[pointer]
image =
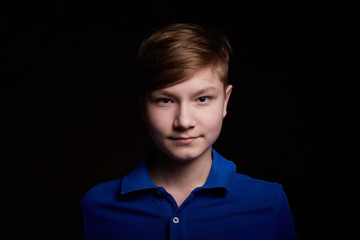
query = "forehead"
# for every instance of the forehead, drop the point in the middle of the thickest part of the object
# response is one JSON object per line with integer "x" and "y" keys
{"x": 204, "y": 79}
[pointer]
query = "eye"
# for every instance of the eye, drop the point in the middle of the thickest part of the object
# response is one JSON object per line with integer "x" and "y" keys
{"x": 203, "y": 99}
{"x": 164, "y": 100}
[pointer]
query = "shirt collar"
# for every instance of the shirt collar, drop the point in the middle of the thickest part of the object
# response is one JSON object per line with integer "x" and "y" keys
{"x": 221, "y": 174}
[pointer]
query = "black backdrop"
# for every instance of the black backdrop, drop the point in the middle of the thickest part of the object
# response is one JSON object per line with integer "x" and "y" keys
{"x": 70, "y": 116}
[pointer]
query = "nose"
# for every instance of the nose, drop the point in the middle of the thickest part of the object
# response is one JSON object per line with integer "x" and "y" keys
{"x": 184, "y": 118}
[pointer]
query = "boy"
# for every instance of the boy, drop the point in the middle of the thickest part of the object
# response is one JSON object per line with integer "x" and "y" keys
{"x": 185, "y": 189}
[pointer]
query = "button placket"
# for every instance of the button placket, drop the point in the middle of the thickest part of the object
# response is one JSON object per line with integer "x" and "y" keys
{"x": 175, "y": 228}
{"x": 176, "y": 220}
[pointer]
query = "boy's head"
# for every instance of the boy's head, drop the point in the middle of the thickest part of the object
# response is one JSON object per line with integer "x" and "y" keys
{"x": 176, "y": 52}
{"x": 184, "y": 89}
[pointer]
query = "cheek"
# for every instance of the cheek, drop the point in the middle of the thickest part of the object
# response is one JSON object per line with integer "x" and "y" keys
{"x": 216, "y": 123}
{"x": 212, "y": 121}
{"x": 156, "y": 121}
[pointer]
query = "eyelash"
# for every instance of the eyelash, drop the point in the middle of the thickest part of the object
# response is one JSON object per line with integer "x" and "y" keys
{"x": 163, "y": 100}
{"x": 203, "y": 99}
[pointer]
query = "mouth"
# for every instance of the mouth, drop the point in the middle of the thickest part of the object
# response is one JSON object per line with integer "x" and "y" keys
{"x": 184, "y": 140}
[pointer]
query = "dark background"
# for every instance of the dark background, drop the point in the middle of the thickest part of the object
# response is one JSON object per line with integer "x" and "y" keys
{"x": 70, "y": 116}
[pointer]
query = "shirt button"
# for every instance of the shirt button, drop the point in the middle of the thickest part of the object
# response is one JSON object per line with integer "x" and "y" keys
{"x": 176, "y": 220}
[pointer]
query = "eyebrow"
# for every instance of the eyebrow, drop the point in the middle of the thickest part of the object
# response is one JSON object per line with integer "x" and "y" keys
{"x": 196, "y": 93}
{"x": 205, "y": 90}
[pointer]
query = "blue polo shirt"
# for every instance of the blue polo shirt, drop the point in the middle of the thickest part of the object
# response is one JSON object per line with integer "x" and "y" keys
{"x": 229, "y": 206}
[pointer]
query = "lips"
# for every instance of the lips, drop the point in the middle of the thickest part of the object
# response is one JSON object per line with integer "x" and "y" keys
{"x": 184, "y": 140}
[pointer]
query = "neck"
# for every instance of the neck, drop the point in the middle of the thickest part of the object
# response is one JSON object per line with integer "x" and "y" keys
{"x": 176, "y": 175}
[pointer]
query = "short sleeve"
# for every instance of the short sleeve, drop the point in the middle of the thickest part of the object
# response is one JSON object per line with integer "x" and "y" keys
{"x": 284, "y": 222}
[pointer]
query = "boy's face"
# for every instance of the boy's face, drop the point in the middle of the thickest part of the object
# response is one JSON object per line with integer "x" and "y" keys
{"x": 184, "y": 120}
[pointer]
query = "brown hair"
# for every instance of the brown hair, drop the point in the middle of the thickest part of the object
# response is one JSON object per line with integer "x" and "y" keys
{"x": 176, "y": 52}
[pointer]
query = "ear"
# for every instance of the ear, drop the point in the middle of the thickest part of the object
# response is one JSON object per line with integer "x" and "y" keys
{"x": 228, "y": 91}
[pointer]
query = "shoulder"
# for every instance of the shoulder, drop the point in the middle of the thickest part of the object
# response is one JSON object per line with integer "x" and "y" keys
{"x": 247, "y": 181}
{"x": 103, "y": 192}
{"x": 267, "y": 199}
{"x": 257, "y": 190}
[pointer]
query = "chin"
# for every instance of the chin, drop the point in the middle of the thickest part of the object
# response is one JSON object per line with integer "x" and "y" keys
{"x": 185, "y": 154}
